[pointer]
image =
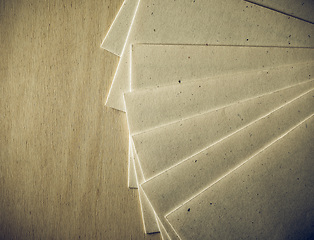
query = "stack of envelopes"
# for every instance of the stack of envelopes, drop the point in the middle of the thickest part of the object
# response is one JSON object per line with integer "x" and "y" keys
{"x": 219, "y": 102}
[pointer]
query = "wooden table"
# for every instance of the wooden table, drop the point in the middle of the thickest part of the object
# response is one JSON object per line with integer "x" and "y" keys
{"x": 63, "y": 162}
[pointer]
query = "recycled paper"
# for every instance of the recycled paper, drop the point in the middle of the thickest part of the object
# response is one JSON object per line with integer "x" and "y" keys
{"x": 302, "y": 9}
{"x": 132, "y": 181}
{"x": 174, "y": 187}
{"x": 269, "y": 73}
{"x": 150, "y": 108}
{"x": 212, "y": 22}
{"x": 148, "y": 214}
{"x": 116, "y": 36}
{"x": 159, "y": 65}
{"x": 163, "y": 147}
{"x": 268, "y": 197}
{"x": 163, "y": 232}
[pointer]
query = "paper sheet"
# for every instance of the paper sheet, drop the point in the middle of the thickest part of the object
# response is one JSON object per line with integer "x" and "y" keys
{"x": 302, "y": 9}
{"x": 147, "y": 109}
{"x": 116, "y": 36}
{"x": 132, "y": 181}
{"x": 285, "y": 70}
{"x": 269, "y": 197}
{"x": 114, "y": 42}
{"x": 267, "y": 102}
{"x": 159, "y": 65}
{"x": 163, "y": 232}
{"x": 163, "y": 147}
{"x": 148, "y": 214}
{"x": 227, "y": 22}
{"x": 180, "y": 183}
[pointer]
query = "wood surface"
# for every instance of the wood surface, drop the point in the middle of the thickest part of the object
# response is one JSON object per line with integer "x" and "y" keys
{"x": 63, "y": 162}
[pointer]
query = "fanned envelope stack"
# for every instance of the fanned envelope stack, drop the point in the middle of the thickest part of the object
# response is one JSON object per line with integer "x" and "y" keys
{"x": 219, "y": 99}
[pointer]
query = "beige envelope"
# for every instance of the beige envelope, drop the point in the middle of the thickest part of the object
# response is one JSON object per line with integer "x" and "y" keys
{"x": 268, "y": 197}
{"x": 232, "y": 115}
{"x": 116, "y": 36}
{"x": 224, "y": 22}
{"x": 147, "y": 109}
{"x": 302, "y": 9}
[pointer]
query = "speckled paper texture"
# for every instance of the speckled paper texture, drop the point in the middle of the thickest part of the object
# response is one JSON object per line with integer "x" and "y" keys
{"x": 268, "y": 197}
{"x": 132, "y": 181}
{"x": 302, "y": 9}
{"x": 116, "y": 36}
{"x": 180, "y": 183}
{"x": 163, "y": 232}
{"x": 148, "y": 215}
{"x": 163, "y": 147}
{"x": 287, "y": 73}
{"x": 150, "y": 223}
{"x": 114, "y": 42}
{"x": 159, "y": 65}
{"x": 150, "y": 108}
{"x": 227, "y": 22}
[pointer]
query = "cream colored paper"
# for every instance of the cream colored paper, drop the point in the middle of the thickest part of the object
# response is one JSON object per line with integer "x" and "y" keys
{"x": 163, "y": 232}
{"x": 302, "y": 9}
{"x": 268, "y": 197}
{"x": 226, "y": 22}
{"x": 163, "y": 147}
{"x": 148, "y": 214}
{"x": 132, "y": 181}
{"x": 116, "y": 36}
{"x": 147, "y": 109}
{"x": 165, "y": 64}
{"x": 180, "y": 183}
{"x": 159, "y": 65}
{"x": 269, "y": 74}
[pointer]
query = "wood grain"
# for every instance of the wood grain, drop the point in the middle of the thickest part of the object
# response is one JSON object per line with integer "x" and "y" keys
{"x": 63, "y": 162}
